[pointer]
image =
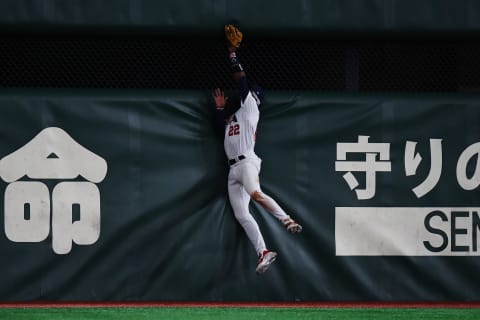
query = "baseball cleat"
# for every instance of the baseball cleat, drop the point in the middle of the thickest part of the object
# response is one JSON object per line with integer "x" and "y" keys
{"x": 266, "y": 259}
{"x": 292, "y": 226}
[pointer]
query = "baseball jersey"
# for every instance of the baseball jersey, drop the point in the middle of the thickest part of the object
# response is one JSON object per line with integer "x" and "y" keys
{"x": 240, "y": 131}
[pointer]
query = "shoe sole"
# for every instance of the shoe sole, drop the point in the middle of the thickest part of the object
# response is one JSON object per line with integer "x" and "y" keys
{"x": 295, "y": 229}
{"x": 272, "y": 256}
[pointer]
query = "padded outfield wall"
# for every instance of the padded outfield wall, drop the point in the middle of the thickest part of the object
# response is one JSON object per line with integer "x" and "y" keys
{"x": 120, "y": 195}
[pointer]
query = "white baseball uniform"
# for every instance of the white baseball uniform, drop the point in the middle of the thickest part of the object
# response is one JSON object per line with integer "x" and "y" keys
{"x": 243, "y": 180}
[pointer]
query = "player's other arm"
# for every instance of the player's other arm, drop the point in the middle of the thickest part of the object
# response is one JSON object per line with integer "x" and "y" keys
{"x": 219, "y": 120}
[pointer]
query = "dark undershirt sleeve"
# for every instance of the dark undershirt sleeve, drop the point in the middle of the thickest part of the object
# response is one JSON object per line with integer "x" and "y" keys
{"x": 243, "y": 84}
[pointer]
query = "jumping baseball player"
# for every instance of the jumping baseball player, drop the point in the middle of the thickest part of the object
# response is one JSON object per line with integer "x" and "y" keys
{"x": 239, "y": 127}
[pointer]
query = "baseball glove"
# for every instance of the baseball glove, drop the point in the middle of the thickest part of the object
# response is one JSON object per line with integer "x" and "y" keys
{"x": 234, "y": 36}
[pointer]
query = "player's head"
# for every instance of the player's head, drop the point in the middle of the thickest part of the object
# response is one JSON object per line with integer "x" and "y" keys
{"x": 232, "y": 106}
{"x": 258, "y": 93}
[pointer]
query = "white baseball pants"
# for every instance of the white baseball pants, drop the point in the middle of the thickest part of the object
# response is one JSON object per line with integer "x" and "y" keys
{"x": 243, "y": 181}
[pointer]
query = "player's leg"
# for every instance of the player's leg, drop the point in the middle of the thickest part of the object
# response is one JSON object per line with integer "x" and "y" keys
{"x": 251, "y": 182}
{"x": 239, "y": 200}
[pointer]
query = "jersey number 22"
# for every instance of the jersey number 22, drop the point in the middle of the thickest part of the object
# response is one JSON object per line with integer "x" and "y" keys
{"x": 234, "y": 130}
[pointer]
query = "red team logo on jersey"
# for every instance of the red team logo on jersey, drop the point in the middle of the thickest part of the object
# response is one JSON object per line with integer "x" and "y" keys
{"x": 234, "y": 130}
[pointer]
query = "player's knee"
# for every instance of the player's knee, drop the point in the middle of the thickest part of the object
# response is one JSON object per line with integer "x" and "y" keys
{"x": 257, "y": 196}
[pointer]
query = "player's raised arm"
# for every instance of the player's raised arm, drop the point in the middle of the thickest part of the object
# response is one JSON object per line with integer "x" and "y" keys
{"x": 234, "y": 39}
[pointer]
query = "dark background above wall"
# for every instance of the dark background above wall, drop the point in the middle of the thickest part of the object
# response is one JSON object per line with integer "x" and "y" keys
{"x": 373, "y": 63}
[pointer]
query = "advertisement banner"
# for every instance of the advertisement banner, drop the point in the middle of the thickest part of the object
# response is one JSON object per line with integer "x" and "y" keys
{"x": 122, "y": 196}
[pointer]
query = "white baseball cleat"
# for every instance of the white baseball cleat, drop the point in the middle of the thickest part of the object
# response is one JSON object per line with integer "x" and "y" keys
{"x": 266, "y": 259}
{"x": 292, "y": 226}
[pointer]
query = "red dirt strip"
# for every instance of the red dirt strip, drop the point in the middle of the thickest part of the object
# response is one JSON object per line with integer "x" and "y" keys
{"x": 174, "y": 304}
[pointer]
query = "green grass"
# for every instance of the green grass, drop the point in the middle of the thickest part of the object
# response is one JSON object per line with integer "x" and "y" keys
{"x": 150, "y": 313}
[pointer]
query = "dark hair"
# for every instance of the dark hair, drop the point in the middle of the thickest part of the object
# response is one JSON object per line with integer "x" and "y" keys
{"x": 232, "y": 106}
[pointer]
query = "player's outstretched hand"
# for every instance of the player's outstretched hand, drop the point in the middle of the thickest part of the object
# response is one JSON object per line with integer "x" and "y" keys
{"x": 219, "y": 98}
{"x": 234, "y": 36}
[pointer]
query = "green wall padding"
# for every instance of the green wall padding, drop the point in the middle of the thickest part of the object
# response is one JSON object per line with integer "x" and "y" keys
{"x": 167, "y": 232}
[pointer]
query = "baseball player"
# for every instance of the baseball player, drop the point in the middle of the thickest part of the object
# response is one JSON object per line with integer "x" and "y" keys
{"x": 239, "y": 129}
